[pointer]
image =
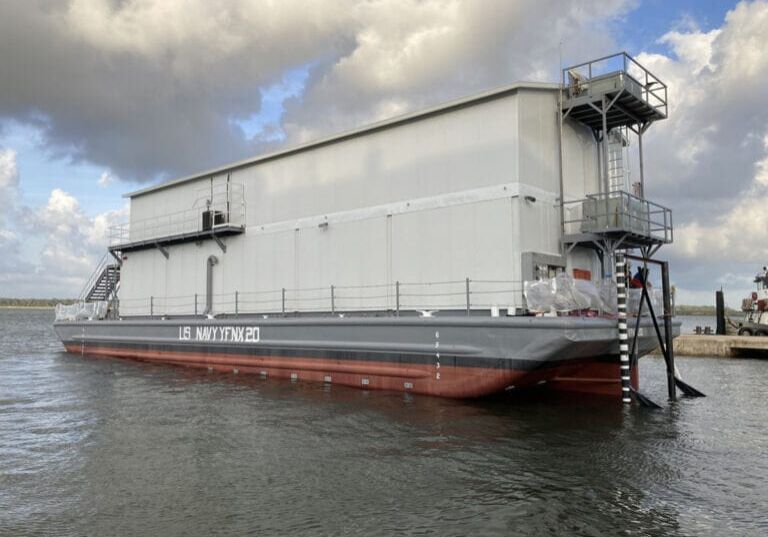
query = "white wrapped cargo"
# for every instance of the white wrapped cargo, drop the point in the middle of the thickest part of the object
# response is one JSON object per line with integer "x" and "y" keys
{"x": 81, "y": 311}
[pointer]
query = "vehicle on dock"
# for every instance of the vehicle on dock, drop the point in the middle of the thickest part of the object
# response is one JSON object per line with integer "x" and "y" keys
{"x": 755, "y": 308}
{"x": 471, "y": 248}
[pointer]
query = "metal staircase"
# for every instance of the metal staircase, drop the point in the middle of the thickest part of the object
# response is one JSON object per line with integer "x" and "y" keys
{"x": 103, "y": 283}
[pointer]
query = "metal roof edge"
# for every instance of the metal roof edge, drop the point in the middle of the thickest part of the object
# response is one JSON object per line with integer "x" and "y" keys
{"x": 352, "y": 133}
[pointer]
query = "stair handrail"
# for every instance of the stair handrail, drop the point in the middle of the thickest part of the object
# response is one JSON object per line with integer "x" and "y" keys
{"x": 94, "y": 277}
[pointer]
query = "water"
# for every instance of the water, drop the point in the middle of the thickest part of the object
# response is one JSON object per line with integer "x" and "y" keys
{"x": 690, "y": 322}
{"x": 109, "y": 447}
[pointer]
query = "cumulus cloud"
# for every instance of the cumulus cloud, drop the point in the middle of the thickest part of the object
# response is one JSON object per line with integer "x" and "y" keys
{"x": 152, "y": 88}
{"x": 9, "y": 184}
{"x": 703, "y": 157}
{"x": 9, "y": 175}
{"x": 713, "y": 153}
{"x": 147, "y": 88}
{"x": 70, "y": 242}
{"x": 10, "y": 244}
{"x": 709, "y": 160}
{"x": 73, "y": 241}
{"x": 410, "y": 54}
{"x": 105, "y": 179}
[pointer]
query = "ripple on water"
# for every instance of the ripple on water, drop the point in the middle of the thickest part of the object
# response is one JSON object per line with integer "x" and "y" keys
{"x": 109, "y": 447}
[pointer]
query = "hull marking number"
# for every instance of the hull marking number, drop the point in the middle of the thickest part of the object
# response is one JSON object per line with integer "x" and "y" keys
{"x": 225, "y": 334}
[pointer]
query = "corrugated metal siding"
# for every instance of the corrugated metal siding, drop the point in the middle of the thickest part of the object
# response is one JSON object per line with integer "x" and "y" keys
{"x": 356, "y": 183}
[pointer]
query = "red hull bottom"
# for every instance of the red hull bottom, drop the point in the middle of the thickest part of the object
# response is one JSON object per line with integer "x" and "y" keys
{"x": 594, "y": 378}
{"x": 597, "y": 378}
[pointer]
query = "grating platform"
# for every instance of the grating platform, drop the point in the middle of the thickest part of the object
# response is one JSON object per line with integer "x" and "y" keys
{"x": 192, "y": 236}
{"x": 627, "y": 239}
{"x": 626, "y": 91}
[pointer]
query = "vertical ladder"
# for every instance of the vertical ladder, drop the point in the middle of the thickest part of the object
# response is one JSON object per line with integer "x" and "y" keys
{"x": 617, "y": 177}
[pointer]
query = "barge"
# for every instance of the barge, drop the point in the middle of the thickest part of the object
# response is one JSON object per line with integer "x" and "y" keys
{"x": 460, "y": 251}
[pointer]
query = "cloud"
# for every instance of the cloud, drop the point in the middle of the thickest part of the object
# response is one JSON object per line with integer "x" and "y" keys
{"x": 9, "y": 185}
{"x": 10, "y": 243}
{"x": 410, "y": 54}
{"x": 105, "y": 179}
{"x": 9, "y": 250}
{"x": 148, "y": 88}
{"x": 709, "y": 160}
{"x": 153, "y": 89}
{"x": 714, "y": 149}
{"x": 703, "y": 157}
{"x": 73, "y": 241}
{"x": 70, "y": 242}
{"x": 9, "y": 176}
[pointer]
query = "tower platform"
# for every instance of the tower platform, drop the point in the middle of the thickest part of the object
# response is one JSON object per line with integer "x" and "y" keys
{"x": 618, "y": 217}
{"x": 617, "y": 86}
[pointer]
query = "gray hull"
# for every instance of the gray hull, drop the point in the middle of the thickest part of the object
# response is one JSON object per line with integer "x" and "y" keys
{"x": 445, "y": 356}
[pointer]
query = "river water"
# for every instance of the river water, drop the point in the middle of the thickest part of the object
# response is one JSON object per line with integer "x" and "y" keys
{"x": 109, "y": 447}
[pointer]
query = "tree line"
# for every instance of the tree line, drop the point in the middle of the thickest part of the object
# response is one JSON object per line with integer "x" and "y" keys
{"x": 33, "y": 302}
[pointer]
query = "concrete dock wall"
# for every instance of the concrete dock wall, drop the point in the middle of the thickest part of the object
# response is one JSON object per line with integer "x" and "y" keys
{"x": 721, "y": 346}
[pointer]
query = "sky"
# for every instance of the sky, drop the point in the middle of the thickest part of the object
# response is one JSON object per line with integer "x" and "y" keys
{"x": 101, "y": 97}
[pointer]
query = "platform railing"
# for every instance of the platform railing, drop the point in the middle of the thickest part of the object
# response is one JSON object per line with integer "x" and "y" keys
{"x": 648, "y": 86}
{"x": 225, "y": 206}
{"x": 618, "y": 211}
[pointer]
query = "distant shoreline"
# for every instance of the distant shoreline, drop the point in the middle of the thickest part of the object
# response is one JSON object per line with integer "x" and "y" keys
{"x": 5, "y": 307}
{"x": 32, "y": 303}
{"x": 702, "y": 310}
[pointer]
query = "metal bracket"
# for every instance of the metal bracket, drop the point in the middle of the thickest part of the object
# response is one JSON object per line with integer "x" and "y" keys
{"x": 595, "y": 108}
{"x": 616, "y": 98}
{"x": 162, "y": 249}
{"x": 629, "y": 114}
{"x": 118, "y": 258}
{"x": 219, "y": 242}
{"x": 570, "y": 248}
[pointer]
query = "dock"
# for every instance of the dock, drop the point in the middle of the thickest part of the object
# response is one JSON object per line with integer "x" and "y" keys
{"x": 721, "y": 346}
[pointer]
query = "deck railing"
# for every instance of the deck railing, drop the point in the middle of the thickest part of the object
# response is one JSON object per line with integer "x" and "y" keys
{"x": 223, "y": 205}
{"x": 396, "y": 298}
{"x": 457, "y": 297}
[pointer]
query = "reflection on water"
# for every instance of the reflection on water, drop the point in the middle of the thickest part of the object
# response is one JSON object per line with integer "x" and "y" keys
{"x": 690, "y": 322}
{"x": 108, "y": 447}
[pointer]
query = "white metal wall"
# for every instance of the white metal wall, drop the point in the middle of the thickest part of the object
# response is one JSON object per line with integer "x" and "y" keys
{"x": 439, "y": 199}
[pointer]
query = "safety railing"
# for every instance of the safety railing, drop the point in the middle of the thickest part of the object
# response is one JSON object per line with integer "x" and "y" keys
{"x": 466, "y": 296}
{"x": 94, "y": 276}
{"x": 221, "y": 205}
{"x": 618, "y": 211}
{"x": 584, "y": 78}
{"x": 561, "y": 295}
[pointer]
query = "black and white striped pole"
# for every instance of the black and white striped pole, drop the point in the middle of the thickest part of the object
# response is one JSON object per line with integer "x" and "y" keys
{"x": 621, "y": 302}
